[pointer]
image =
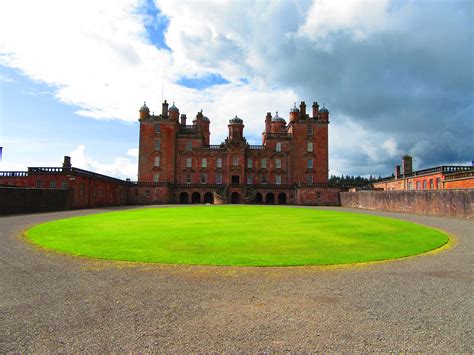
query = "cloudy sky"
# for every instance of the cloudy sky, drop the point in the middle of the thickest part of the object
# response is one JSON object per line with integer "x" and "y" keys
{"x": 396, "y": 76}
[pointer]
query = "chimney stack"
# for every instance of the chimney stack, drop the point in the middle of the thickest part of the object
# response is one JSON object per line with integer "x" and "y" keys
{"x": 183, "y": 119}
{"x": 303, "y": 110}
{"x": 67, "y": 162}
{"x": 397, "y": 171}
{"x": 164, "y": 111}
{"x": 407, "y": 164}
{"x": 315, "y": 109}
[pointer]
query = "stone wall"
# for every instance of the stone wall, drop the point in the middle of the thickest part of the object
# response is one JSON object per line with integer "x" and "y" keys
{"x": 26, "y": 200}
{"x": 451, "y": 203}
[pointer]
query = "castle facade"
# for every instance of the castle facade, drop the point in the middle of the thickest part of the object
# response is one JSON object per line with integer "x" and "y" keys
{"x": 293, "y": 157}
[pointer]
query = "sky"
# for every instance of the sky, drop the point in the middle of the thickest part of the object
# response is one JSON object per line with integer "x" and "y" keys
{"x": 397, "y": 76}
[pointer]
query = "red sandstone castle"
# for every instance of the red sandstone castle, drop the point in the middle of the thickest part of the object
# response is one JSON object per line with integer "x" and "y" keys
{"x": 179, "y": 157}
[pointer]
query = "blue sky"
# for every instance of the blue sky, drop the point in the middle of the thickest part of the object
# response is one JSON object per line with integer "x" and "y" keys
{"x": 397, "y": 76}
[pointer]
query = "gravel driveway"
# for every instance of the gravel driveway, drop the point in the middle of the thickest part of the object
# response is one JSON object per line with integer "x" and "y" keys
{"x": 53, "y": 302}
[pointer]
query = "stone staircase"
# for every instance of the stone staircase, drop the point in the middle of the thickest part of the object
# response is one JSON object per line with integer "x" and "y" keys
{"x": 249, "y": 194}
{"x": 221, "y": 194}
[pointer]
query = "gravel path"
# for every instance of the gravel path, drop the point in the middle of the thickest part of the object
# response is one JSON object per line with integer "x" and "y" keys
{"x": 53, "y": 302}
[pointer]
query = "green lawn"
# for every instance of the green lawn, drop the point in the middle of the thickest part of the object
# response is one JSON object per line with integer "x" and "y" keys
{"x": 237, "y": 235}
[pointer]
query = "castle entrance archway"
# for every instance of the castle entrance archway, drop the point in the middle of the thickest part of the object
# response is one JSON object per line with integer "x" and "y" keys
{"x": 208, "y": 198}
{"x": 235, "y": 197}
{"x": 258, "y": 198}
{"x": 282, "y": 198}
{"x": 196, "y": 197}
{"x": 183, "y": 198}
{"x": 270, "y": 199}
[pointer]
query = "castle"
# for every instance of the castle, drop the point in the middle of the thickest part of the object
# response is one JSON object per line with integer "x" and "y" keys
{"x": 179, "y": 155}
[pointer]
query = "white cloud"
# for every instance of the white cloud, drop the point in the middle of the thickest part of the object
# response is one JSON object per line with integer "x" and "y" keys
{"x": 121, "y": 167}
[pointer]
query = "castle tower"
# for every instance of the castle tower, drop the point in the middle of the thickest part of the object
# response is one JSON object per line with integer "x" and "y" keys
{"x": 294, "y": 114}
{"x": 278, "y": 124}
{"x": 315, "y": 109}
{"x": 144, "y": 112}
{"x": 236, "y": 129}
{"x": 173, "y": 112}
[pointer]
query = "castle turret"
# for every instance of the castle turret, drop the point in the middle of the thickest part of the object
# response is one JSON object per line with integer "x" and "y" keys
{"x": 294, "y": 113}
{"x": 324, "y": 114}
{"x": 278, "y": 123}
{"x": 173, "y": 112}
{"x": 144, "y": 112}
{"x": 236, "y": 128}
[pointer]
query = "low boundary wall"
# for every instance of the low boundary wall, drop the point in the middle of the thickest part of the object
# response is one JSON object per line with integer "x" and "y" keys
{"x": 26, "y": 200}
{"x": 451, "y": 203}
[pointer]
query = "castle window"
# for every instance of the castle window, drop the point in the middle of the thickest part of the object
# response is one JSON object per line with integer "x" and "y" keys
{"x": 218, "y": 179}
{"x": 204, "y": 163}
{"x": 157, "y": 128}
{"x": 410, "y": 185}
{"x": 249, "y": 179}
{"x": 52, "y": 184}
{"x": 249, "y": 163}
{"x": 310, "y": 163}
{"x": 38, "y": 184}
{"x": 203, "y": 178}
{"x": 278, "y": 164}
{"x": 219, "y": 163}
{"x": 318, "y": 195}
{"x": 264, "y": 163}
{"x": 418, "y": 185}
{"x": 310, "y": 146}
{"x": 235, "y": 161}
{"x": 278, "y": 147}
{"x": 157, "y": 145}
{"x": 424, "y": 184}
{"x": 157, "y": 161}
{"x": 310, "y": 130}
{"x": 431, "y": 184}
{"x": 64, "y": 184}
{"x": 189, "y": 146}
{"x": 309, "y": 179}
{"x": 438, "y": 183}
{"x": 189, "y": 162}
{"x": 278, "y": 179}
{"x": 156, "y": 177}
{"x": 188, "y": 179}
{"x": 264, "y": 179}
{"x": 147, "y": 193}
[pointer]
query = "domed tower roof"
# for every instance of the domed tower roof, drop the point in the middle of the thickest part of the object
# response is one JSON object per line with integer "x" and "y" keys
{"x": 324, "y": 109}
{"x": 277, "y": 118}
{"x": 236, "y": 120}
{"x": 144, "y": 107}
{"x": 294, "y": 109}
{"x": 173, "y": 108}
{"x": 205, "y": 118}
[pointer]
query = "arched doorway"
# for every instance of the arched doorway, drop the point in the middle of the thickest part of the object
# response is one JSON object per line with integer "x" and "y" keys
{"x": 258, "y": 198}
{"x": 196, "y": 197}
{"x": 183, "y": 198}
{"x": 282, "y": 199}
{"x": 208, "y": 198}
{"x": 270, "y": 199}
{"x": 235, "y": 197}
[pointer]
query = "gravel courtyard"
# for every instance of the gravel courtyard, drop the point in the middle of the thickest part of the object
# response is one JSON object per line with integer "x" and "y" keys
{"x": 52, "y": 302}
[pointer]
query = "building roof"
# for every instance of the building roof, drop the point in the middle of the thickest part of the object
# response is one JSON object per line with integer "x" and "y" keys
{"x": 144, "y": 107}
{"x": 324, "y": 109}
{"x": 295, "y": 109}
{"x": 173, "y": 108}
{"x": 277, "y": 118}
{"x": 236, "y": 120}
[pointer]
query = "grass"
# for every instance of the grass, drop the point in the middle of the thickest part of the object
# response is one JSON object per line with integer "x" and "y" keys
{"x": 237, "y": 235}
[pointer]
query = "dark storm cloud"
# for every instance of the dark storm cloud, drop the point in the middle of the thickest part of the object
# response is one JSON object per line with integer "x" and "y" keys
{"x": 413, "y": 82}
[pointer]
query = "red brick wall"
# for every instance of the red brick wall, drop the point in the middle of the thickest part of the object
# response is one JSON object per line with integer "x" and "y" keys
{"x": 317, "y": 196}
{"x": 452, "y": 203}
